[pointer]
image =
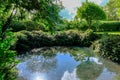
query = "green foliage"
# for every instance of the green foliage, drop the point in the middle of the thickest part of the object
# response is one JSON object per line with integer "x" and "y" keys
{"x": 68, "y": 38}
{"x": 107, "y": 26}
{"x": 35, "y": 39}
{"x": 96, "y": 25}
{"x": 7, "y": 56}
{"x": 90, "y": 11}
{"x": 30, "y": 25}
{"x": 108, "y": 47}
{"x": 80, "y": 25}
{"x": 45, "y": 10}
{"x": 89, "y": 70}
{"x": 17, "y": 26}
{"x": 27, "y": 25}
{"x": 112, "y": 9}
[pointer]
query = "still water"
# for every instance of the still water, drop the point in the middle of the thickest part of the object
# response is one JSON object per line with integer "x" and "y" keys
{"x": 60, "y": 63}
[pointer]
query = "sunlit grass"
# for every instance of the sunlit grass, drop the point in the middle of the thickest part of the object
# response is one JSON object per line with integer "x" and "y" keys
{"x": 115, "y": 33}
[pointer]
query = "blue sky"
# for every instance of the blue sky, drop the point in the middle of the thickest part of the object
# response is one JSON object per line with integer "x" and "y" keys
{"x": 71, "y": 7}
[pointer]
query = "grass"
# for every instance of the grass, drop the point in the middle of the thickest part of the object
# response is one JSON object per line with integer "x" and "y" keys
{"x": 113, "y": 33}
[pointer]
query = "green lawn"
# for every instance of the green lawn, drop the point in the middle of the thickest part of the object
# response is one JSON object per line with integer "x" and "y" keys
{"x": 116, "y": 33}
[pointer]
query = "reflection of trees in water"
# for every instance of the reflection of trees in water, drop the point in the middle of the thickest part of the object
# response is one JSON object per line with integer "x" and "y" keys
{"x": 117, "y": 77}
{"x": 113, "y": 67}
{"x": 81, "y": 54}
{"x": 41, "y": 64}
{"x": 51, "y": 53}
{"x": 89, "y": 70}
{"x": 45, "y": 51}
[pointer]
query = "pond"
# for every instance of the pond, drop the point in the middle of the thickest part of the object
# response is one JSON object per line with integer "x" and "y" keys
{"x": 61, "y": 63}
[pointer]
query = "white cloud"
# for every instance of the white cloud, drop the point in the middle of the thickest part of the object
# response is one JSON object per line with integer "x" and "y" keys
{"x": 97, "y": 1}
{"x": 71, "y": 5}
{"x": 70, "y": 76}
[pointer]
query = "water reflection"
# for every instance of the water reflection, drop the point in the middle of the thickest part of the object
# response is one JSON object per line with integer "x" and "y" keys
{"x": 65, "y": 64}
{"x": 89, "y": 70}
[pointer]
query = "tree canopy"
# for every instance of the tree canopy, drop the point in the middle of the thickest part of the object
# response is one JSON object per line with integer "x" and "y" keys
{"x": 112, "y": 8}
{"x": 90, "y": 11}
{"x": 45, "y": 11}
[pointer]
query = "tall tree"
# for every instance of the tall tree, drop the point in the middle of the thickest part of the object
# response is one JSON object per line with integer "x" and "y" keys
{"x": 90, "y": 11}
{"x": 113, "y": 10}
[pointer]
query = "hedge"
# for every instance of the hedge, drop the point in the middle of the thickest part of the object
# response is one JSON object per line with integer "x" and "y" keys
{"x": 36, "y": 39}
{"x": 107, "y": 26}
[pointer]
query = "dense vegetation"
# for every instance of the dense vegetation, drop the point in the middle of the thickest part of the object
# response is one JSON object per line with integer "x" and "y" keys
{"x": 108, "y": 47}
{"x": 62, "y": 38}
{"x": 22, "y": 15}
{"x": 90, "y": 11}
{"x": 28, "y": 24}
{"x": 7, "y": 56}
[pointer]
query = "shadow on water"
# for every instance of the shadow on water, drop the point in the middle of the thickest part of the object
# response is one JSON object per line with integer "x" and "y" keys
{"x": 61, "y": 63}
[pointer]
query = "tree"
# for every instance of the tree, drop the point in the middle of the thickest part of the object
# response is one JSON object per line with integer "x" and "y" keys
{"x": 112, "y": 8}
{"x": 46, "y": 11}
{"x": 90, "y": 11}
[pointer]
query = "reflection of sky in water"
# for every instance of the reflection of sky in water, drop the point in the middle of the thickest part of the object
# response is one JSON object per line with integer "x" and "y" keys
{"x": 93, "y": 59}
{"x": 61, "y": 67}
{"x": 65, "y": 64}
{"x": 106, "y": 75}
{"x": 70, "y": 76}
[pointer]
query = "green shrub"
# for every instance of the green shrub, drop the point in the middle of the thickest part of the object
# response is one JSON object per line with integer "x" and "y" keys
{"x": 26, "y": 25}
{"x": 88, "y": 37}
{"x": 68, "y": 38}
{"x": 81, "y": 25}
{"x": 35, "y": 39}
{"x": 17, "y": 26}
{"x": 108, "y": 47}
{"x": 31, "y": 25}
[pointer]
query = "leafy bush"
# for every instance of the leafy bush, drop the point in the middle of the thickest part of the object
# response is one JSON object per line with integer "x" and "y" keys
{"x": 108, "y": 47}
{"x": 81, "y": 25}
{"x": 31, "y": 25}
{"x": 17, "y": 26}
{"x": 7, "y": 56}
{"x": 26, "y": 25}
{"x": 68, "y": 38}
{"x": 88, "y": 37}
{"x": 28, "y": 40}
{"x": 35, "y": 39}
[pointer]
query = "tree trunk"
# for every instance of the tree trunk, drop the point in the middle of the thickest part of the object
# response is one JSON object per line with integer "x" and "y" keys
{"x": 89, "y": 24}
{"x": 7, "y": 23}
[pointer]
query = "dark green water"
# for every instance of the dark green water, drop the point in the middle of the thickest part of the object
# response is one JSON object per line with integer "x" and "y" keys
{"x": 65, "y": 64}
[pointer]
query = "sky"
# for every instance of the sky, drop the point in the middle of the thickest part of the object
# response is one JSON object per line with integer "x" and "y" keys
{"x": 71, "y": 7}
